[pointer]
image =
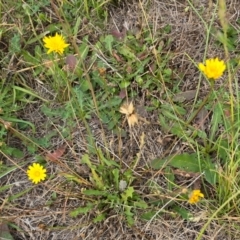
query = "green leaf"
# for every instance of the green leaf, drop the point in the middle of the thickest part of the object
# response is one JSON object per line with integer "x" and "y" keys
{"x": 81, "y": 210}
{"x": 99, "y": 218}
{"x": 127, "y": 52}
{"x": 184, "y": 213}
{"x": 148, "y": 215}
{"x": 71, "y": 177}
{"x": 211, "y": 176}
{"x": 4, "y": 232}
{"x": 128, "y": 193}
{"x": 170, "y": 178}
{"x": 210, "y": 171}
{"x": 76, "y": 27}
{"x": 98, "y": 181}
{"x": 85, "y": 159}
{"x": 129, "y": 215}
{"x": 108, "y": 162}
{"x": 29, "y": 58}
{"x": 6, "y": 170}
{"x": 140, "y": 204}
{"x": 124, "y": 84}
{"x": 216, "y": 120}
{"x": 115, "y": 173}
{"x": 84, "y": 49}
{"x": 92, "y": 192}
{"x": 16, "y": 196}
{"x": 186, "y": 162}
{"x": 5, "y": 187}
{"x": 108, "y": 40}
{"x": 15, "y": 44}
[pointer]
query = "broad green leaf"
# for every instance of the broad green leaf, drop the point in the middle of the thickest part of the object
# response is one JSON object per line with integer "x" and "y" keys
{"x": 185, "y": 214}
{"x": 29, "y": 58}
{"x": 76, "y": 27}
{"x": 140, "y": 204}
{"x": 84, "y": 49}
{"x": 211, "y": 176}
{"x": 210, "y": 171}
{"x": 124, "y": 84}
{"x": 108, "y": 40}
{"x": 186, "y": 161}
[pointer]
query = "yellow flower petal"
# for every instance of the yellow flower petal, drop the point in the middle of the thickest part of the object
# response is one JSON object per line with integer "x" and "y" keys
{"x": 55, "y": 44}
{"x": 195, "y": 196}
{"x": 36, "y": 173}
{"x": 213, "y": 68}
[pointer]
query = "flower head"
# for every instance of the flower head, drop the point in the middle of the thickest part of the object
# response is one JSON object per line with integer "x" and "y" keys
{"x": 129, "y": 111}
{"x": 195, "y": 196}
{"x": 36, "y": 173}
{"x": 213, "y": 68}
{"x": 55, "y": 44}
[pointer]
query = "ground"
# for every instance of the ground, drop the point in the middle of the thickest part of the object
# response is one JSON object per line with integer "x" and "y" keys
{"x": 63, "y": 127}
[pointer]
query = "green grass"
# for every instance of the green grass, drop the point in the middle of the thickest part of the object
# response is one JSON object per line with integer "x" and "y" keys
{"x": 84, "y": 129}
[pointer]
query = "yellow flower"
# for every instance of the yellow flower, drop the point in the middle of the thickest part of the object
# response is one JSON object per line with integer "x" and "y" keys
{"x": 214, "y": 68}
{"x": 36, "y": 173}
{"x": 195, "y": 196}
{"x": 55, "y": 44}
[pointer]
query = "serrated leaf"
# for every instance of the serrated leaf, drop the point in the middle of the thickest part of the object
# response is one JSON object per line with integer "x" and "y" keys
{"x": 128, "y": 193}
{"x": 99, "y": 218}
{"x": 15, "y": 44}
{"x": 115, "y": 173}
{"x": 81, "y": 210}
